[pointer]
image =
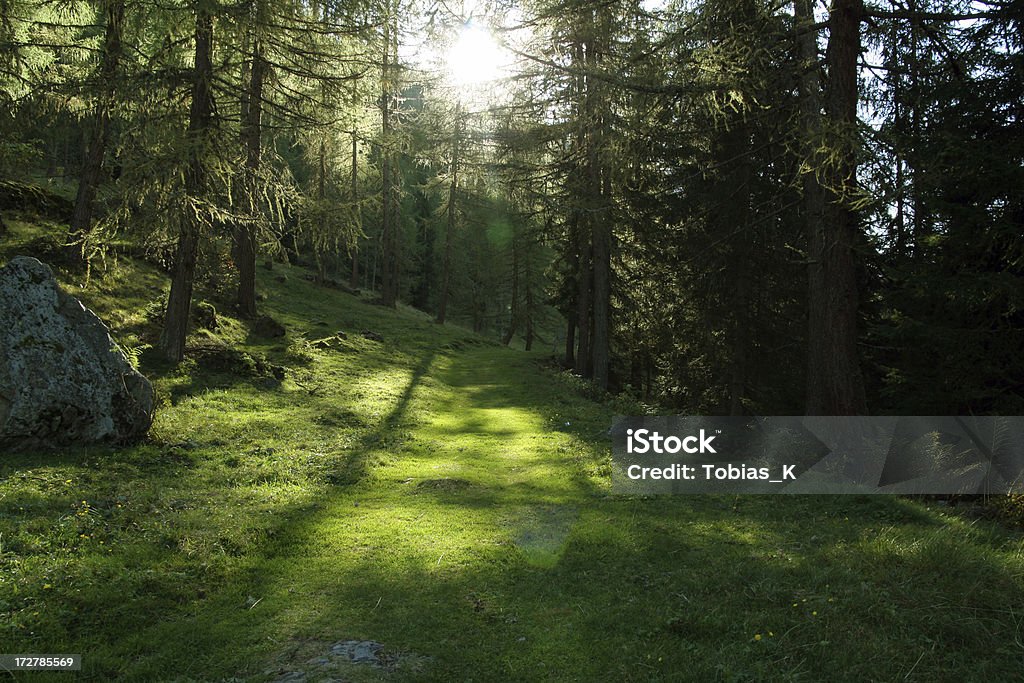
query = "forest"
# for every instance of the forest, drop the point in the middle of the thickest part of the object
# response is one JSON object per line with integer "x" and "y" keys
{"x": 315, "y": 314}
{"x": 737, "y": 207}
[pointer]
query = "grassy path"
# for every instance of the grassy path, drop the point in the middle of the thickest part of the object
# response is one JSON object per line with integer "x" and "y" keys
{"x": 445, "y": 549}
{"x": 482, "y": 543}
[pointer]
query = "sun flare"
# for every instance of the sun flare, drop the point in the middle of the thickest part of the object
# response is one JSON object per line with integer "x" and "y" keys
{"x": 475, "y": 58}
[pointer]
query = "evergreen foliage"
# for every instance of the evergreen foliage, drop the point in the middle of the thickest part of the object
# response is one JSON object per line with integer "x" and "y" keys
{"x": 730, "y": 207}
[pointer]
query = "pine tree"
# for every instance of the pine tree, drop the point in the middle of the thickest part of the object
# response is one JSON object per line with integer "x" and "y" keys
{"x": 201, "y": 126}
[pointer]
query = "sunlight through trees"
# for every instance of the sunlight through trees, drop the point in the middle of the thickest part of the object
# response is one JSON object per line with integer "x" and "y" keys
{"x": 724, "y": 207}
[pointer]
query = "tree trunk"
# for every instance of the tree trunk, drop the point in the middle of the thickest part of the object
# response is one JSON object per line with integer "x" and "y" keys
{"x": 353, "y": 280}
{"x": 810, "y": 114}
{"x": 396, "y": 261}
{"x": 373, "y": 268}
{"x": 513, "y": 321}
{"x": 583, "y": 233}
{"x": 389, "y": 227}
{"x": 599, "y": 190}
{"x": 834, "y": 382}
{"x": 321, "y": 196}
{"x": 899, "y": 230}
{"x": 583, "y": 319}
{"x": 574, "y": 266}
{"x": 919, "y": 232}
{"x": 737, "y": 152}
{"x": 244, "y": 239}
{"x": 92, "y": 166}
{"x": 453, "y": 187}
{"x": 602, "y": 237}
{"x": 570, "y": 343}
{"x": 357, "y": 213}
{"x": 200, "y": 123}
{"x": 529, "y": 311}
{"x": 528, "y": 297}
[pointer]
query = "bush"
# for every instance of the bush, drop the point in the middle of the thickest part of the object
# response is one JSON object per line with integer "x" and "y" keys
{"x": 1009, "y": 509}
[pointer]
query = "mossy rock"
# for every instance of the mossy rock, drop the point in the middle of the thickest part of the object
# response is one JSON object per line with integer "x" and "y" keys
{"x": 205, "y": 315}
{"x": 220, "y": 358}
{"x": 51, "y": 249}
{"x": 265, "y": 326}
{"x": 15, "y": 196}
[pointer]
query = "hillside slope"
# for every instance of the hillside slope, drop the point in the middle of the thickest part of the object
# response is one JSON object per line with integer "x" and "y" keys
{"x": 448, "y": 500}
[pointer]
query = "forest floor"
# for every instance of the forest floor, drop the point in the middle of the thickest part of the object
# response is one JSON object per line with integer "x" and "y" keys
{"x": 439, "y": 508}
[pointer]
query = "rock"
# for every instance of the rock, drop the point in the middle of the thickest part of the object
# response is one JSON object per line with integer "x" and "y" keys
{"x": 359, "y": 651}
{"x": 281, "y": 278}
{"x": 24, "y": 197}
{"x": 266, "y": 326}
{"x": 324, "y": 661}
{"x": 206, "y": 316}
{"x": 366, "y": 652}
{"x": 341, "y": 286}
{"x": 217, "y": 357}
{"x": 332, "y": 342}
{"x": 372, "y": 336}
{"x": 62, "y": 378}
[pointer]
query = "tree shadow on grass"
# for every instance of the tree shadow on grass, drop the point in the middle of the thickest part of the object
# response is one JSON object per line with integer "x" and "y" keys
{"x": 168, "y": 586}
{"x": 535, "y": 581}
{"x": 689, "y": 584}
{"x": 356, "y": 466}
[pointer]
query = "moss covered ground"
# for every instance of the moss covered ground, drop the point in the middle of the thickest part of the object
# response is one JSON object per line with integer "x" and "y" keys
{"x": 450, "y": 499}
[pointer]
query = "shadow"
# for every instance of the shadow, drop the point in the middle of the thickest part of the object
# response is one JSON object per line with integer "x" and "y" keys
{"x": 356, "y": 466}
{"x": 535, "y": 572}
{"x": 637, "y": 590}
{"x": 75, "y": 498}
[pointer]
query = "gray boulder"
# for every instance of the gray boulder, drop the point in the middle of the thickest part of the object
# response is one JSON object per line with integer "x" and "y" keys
{"x": 63, "y": 380}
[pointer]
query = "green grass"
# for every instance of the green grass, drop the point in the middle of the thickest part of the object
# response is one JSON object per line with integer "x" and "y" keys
{"x": 450, "y": 499}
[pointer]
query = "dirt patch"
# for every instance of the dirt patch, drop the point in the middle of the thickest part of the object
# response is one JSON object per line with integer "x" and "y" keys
{"x": 309, "y": 661}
